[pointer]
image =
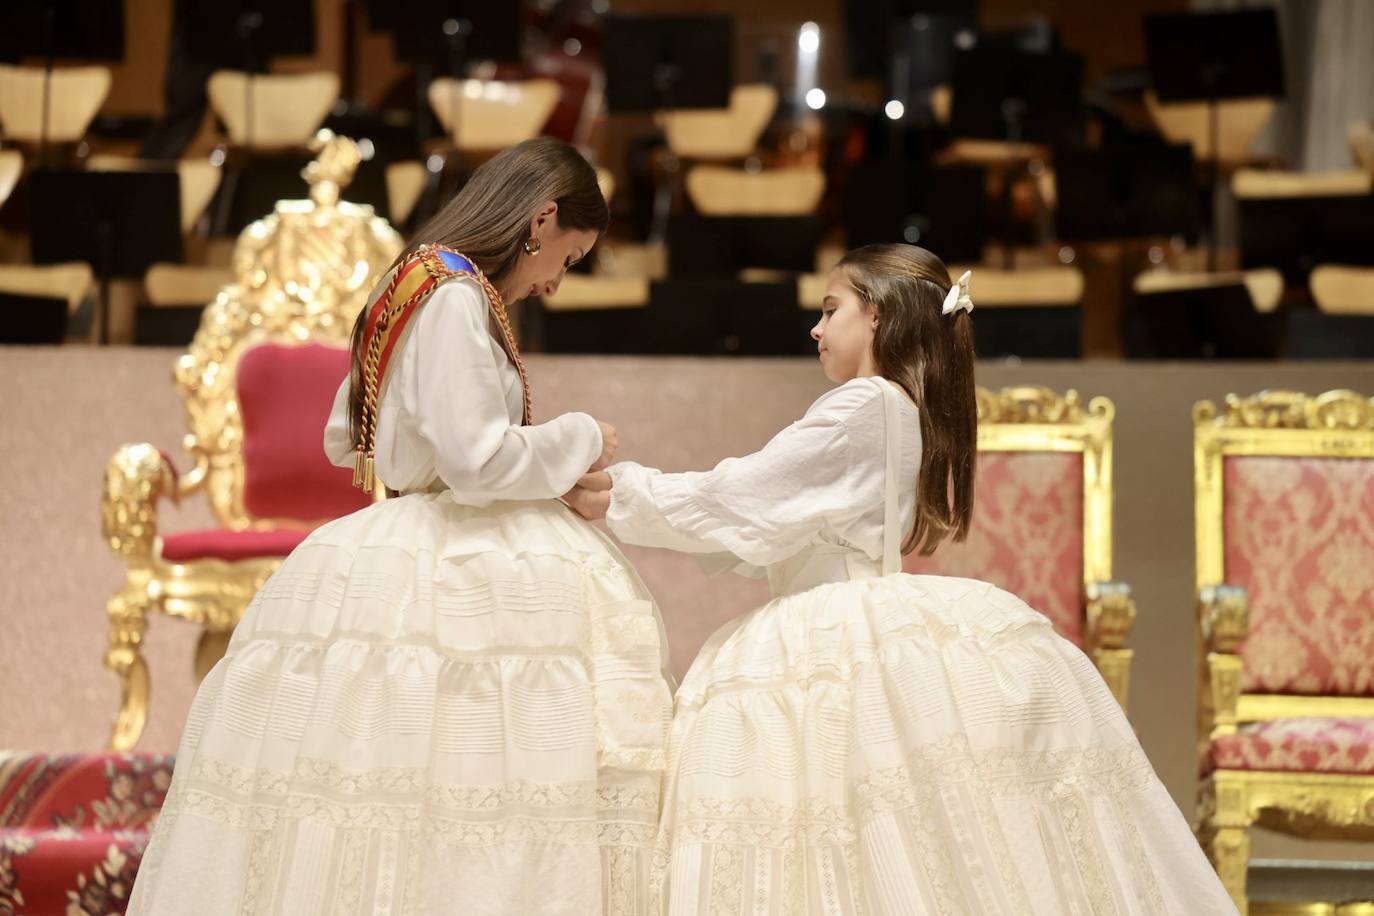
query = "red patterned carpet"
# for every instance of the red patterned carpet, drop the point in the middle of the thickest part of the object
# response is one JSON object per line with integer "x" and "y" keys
{"x": 73, "y": 829}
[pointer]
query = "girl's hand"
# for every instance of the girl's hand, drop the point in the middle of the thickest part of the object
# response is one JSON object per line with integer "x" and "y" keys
{"x": 609, "y": 443}
{"x": 590, "y": 504}
{"x": 596, "y": 481}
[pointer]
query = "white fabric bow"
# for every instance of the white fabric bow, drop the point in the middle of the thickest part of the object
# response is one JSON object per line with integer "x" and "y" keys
{"x": 958, "y": 297}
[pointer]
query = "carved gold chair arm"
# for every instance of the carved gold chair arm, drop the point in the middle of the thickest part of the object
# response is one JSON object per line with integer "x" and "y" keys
{"x": 1109, "y": 616}
{"x": 193, "y": 480}
{"x": 1224, "y": 616}
{"x": 136, "y": 477}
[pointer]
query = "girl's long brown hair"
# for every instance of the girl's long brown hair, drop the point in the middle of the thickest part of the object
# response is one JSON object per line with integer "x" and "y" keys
{"x": 488, "y": 220}
{"x": 930, "y": 355}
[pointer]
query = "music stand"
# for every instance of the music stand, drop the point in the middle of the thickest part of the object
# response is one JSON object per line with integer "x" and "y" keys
{"x": 442, "y": 36}
{"x": 1005, "y": 93}
{"x": 1295, "y": 234}
{"x": 257, "y": 30}
{"x": 1205, "y": 322}
{"x": 870, "y": 27}
{"x": 1029, "y": 332}
{"x": 258, "y": 187}
{"x": 91, "y": 30}
{"x": 764, "y": 319}
{"x": 33, "y": 319}
{"x": 121, "y": 223}
{"x": 725, "y": 245}
{"x": 664, "y": 63}
{"x": 1313, "y": 334}
{"x": 684, "y": 317}
{"x": 924, "y": 46}
{"x": 1136, "y": 189}
{"x": 1002, "y": 93}
{"x": 1206, "y": 57}
{"x": 942, "y": 208}
{"x": 593, "y": 330}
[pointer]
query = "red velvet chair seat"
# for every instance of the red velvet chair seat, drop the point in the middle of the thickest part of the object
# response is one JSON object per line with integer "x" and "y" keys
{"x": 230, "y": 546}
{"x": 1300, "y": 746}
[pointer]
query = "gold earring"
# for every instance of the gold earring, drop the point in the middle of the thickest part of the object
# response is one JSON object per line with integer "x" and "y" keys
{"x": 532, "y": 245}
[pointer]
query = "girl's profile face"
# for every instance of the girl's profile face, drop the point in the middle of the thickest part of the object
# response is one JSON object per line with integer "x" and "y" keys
{"x": 844, "y": 335}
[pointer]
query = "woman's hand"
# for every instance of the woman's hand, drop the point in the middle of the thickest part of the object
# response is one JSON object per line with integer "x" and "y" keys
{"x": 590, "y": 504}
{"x": 609, "y": 443}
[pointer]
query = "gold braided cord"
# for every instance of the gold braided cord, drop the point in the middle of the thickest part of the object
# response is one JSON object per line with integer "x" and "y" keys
{"x": 364, "y": 474}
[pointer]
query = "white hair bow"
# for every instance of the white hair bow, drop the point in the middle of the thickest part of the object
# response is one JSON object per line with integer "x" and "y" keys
{"x": 958, "y": 297}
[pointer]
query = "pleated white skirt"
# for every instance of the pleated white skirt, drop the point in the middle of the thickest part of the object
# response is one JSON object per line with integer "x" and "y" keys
{"x": 429, "y": 708}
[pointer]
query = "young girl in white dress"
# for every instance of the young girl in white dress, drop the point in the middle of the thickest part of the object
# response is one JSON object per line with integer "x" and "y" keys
{"x": 452, "y": 701}
{"x": 875, "y": 742}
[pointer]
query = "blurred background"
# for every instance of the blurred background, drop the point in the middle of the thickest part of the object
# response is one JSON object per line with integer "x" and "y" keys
{"x": 1122, "y": 157}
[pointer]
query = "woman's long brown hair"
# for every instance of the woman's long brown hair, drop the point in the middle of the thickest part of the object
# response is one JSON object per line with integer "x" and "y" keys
{"x": 488, "y": 220}
{"x": 930, "y": 355}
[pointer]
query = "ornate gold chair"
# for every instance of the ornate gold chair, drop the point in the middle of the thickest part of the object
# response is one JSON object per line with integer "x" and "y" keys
{"x": 258, "y": 380}
{"x": 1042, "y": 520}
{"x": 1285, "y": 625}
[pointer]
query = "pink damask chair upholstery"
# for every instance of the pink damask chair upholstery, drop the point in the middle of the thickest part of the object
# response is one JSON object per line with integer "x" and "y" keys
{"x": 1285, "y": 636}
{"x": 258, "y": 381}
{"x": 1042, "y": 520}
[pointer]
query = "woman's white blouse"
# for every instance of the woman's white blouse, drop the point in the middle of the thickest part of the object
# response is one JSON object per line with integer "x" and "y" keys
{"x": 450, "y": 411}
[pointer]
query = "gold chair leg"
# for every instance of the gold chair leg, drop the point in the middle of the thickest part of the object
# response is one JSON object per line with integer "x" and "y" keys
{"x": 210, "y": 649}
{"x": 1229, "y": 850}
{"x": 128, "y": 613}
{"x": 1115, "y": 667}
{"x": 1224, "y": 831}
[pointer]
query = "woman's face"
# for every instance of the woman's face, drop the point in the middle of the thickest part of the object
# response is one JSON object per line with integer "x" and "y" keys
{"x": 844, "y": 335}
{"x": 540, "y": 274}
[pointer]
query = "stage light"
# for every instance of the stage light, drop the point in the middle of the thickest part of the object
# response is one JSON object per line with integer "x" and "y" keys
{"x": 815, "y": 99}
{"x": 809, "y": 38}
{"x": 894, "y": 109}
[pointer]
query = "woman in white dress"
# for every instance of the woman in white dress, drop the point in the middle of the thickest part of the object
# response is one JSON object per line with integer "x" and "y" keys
{"x": 875, "y": 742}
{"x": 452, "y": 701}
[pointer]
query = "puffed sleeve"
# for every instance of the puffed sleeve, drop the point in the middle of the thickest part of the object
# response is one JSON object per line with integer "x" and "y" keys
{"x": 457, "y": 400}
{"x": 338, "y": 445}
{"x": 762, "y": 508}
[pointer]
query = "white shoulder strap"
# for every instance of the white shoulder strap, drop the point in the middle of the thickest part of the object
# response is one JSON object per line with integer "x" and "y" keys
{"x": 892, "y": 538}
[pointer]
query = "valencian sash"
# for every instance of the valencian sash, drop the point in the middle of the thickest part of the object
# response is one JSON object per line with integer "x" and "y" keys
{"x": 408, "y": 286}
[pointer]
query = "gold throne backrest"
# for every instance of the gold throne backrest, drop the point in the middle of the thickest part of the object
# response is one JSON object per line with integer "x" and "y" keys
{"x": 1042, "y": 518}
{"x": 1285, "y": 510}
{"x": 301, "y": 276}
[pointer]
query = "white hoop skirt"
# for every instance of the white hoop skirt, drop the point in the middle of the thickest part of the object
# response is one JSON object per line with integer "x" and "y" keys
{"x": 430, "y": 708}
{"x": 914, "y": 745}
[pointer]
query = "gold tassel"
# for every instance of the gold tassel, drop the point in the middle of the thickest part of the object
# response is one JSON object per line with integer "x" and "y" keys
{"x": 369, "y": 474}
{"x": 359, "y": 462}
